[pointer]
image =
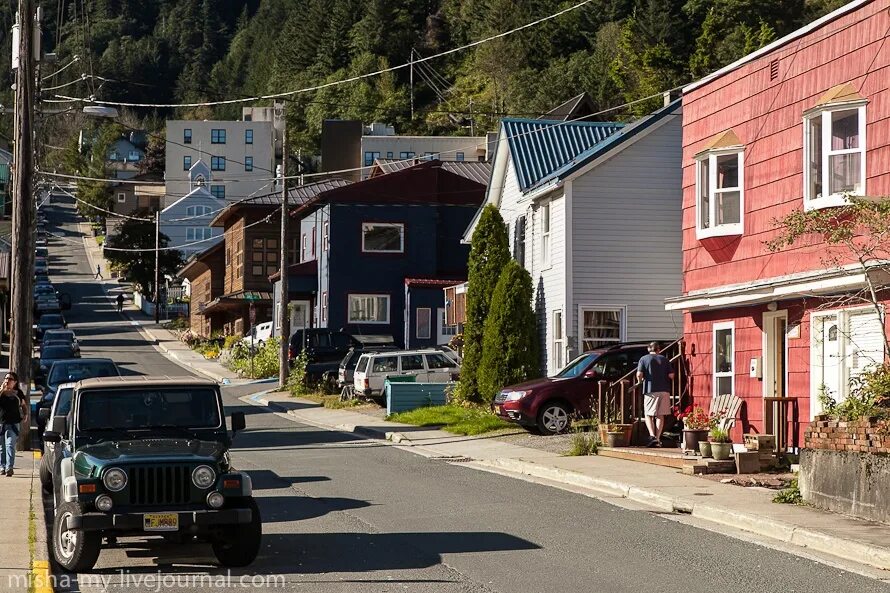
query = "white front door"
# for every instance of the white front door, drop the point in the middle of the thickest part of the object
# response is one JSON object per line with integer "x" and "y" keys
{"x": 441, "y": 338}
{"x": 299, "y": 315}
{"x": 828, "y": 363}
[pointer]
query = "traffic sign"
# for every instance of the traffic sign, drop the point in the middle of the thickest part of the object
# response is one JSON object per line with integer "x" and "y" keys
{"x": 251, "y": 296}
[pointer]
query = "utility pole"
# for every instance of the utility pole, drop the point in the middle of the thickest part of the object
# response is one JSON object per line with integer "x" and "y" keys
{"x": 284, "y": 292}
{"x": 157, "y": 266}
{"x": 23, "y": 210}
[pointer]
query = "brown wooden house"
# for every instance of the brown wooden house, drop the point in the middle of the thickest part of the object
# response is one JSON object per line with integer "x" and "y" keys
{"x": 205, "y": 272}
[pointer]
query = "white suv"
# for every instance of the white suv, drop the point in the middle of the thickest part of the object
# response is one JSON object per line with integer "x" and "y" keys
{"x": 426, "y": 366}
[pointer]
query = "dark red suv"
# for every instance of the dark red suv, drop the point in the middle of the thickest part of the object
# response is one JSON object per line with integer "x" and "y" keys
{"x": 549, "y": 403}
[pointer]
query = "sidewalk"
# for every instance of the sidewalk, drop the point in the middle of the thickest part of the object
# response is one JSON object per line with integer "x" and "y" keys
{"x": 747, "y": 509}
{"x": 21, "y": 539}
{"x": 165, "y": 340}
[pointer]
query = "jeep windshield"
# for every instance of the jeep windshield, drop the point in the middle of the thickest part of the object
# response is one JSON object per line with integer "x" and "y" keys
{"x": 148, "y": 409}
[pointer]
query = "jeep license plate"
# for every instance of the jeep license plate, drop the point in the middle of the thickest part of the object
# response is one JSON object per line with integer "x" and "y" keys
{"x": 160, "y": 522}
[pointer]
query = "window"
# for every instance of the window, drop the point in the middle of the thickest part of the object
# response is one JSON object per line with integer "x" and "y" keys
{"x": 385, "y": 364}
{"x": 239, "y": 258}
{"x": 248, "y": 136}
{"x": 133, "y": 155}
{"x": 292, "y": 251}
{"x": 187, "y": 136}
{"x": 720, "y": 193}
{"x": 459, "y": 156}
{"x": 412, "y": 362}
{"x": 428, "y": 156}
{"x": 519, "y": 240}
{"x": 218, "y": 191}
{"x": 113, "y": 155}
{"x": 545, "y": 235}
{"x": 198, "y": 233}
{"x": 368, "y": 308}
{"x": 303, "y": 248}
{"x": 383, "y": 237}
{"x": 325, "y": 236}
{"x": 324, "y": 306}
{"x": 121, "y": 197}
{"x": 248, "y": 163}
{"x": 438, "y": 361}
{"x": 447, "y": 330}
{"x": 186, "y": 163}
{"x": 601, "y": 326}
{"x": 424, "y": 323}
{"x": 724, "y": 377}
{"x": 557, "y": 354}
{"x": 217, "y": 136}
{"x": 370, "y": 157}
{"x": 313, "y": 241}
{"x": 197, "y": 210}
{"x": 389, "y": 155}
{"x": 406, "y": 155}
{"x": 217, "y": 163}
{"x": 834, "y": 156}
{"x": 263, "y": 256}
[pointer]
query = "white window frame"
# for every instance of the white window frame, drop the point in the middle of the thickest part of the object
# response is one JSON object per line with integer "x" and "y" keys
{"x": 325, "y": 236}
{"x": 824, "y": 112}
{"x": 557, "y": 351}
{"x": 324, "y": 306}
{"x": 399, "y": 225}
{"x": 622, "y": 327}
{"x": 429, "y": 323}
{"x": 198, "y": 233}
{"x": 121, "y": 197}
{"x": 546, "y": 258}
{"x": 352, "y": 296}
{"x": 723, "y": 325}
{"x": 715, "y": 230}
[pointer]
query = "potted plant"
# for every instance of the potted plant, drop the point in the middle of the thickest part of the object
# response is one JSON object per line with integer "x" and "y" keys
{"x": 721, "y": 443}
{"x": 616, "y": 435}
{"x": 696, "y": 424}
{"x": 612, "y": 431}
{"x": 704, "y": 448}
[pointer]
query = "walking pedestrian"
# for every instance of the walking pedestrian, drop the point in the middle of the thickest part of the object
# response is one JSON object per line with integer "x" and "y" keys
{"x": 656, "y": 373}
{"x": 98, "y": 272}
{"x": 120, "y": 303}
{"x": 13, "y": 409}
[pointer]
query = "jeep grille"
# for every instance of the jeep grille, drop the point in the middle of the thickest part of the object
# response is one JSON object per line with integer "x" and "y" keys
{"x": 168, "y": 484}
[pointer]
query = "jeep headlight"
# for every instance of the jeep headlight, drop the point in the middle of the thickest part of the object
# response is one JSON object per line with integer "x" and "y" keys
{"x": 115, "y": 479}
{"x": 513, "y": 396}
{"x": 203, "y": 477}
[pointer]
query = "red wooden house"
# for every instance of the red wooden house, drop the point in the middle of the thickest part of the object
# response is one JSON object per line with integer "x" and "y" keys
{"x": 800, "y": 124}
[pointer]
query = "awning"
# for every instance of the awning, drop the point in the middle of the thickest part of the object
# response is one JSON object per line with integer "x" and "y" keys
{"x": 237, "y": 300}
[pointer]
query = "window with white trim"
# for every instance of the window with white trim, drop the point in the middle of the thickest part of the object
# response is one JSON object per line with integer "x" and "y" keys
{"x": 724, "y": 358}
{"x": 121, "y": 197}
{"x": 601, "y": 326}
{"x": 197, "y": 210}
{"x": 424, "y": 323}
{"x": 324, "y": 306}
{"x": 834, "y": 155}
{"x": 325, "y": 236}
{"x": 303, "y": 248}
{"x": 383, "y": 237}
{"x": 557, "y": 351}
{"x": 198, "y": 233}
{"x": 720, "y": 191}
{"x": 369, "y": 308}
{"x": 545, "y": 235}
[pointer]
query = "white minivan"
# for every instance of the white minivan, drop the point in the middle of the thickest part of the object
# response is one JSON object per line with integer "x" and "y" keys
{"x": 261, "y": 334}
{"x": 427, "y": 366}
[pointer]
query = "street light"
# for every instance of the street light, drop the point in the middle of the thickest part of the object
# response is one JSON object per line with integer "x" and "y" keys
{"x": 100, "y": 111}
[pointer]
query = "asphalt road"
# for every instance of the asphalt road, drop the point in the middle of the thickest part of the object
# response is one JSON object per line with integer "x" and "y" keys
{"x": 345, "y": 515}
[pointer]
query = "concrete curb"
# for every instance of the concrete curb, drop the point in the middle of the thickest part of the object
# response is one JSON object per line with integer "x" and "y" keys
{"x": 40, "y": 579}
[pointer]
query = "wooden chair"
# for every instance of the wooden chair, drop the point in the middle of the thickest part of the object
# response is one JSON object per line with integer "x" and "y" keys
{"x": 728, "y": 406}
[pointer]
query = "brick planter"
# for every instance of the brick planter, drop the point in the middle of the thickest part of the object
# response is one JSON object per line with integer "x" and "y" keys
{"x": 845, "y": 467}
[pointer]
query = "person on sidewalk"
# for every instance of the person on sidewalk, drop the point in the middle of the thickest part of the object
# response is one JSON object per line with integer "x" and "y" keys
{"x": 13, "y": 409}
{"x": 98, "y": 272}
{"x": 120, "y": 303}
{"x": 656, "y": 373}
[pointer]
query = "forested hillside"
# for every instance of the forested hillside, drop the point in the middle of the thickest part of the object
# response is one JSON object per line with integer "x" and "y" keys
{"x": 168, "y": 51}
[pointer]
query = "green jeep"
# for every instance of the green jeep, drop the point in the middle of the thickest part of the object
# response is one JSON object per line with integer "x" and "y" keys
{"x": 143, "y": 455}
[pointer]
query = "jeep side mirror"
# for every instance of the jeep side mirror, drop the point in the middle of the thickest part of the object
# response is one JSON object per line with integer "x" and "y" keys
{"x": 51, "y": 436}
{"x": 43, "y": 415}
{"x": 238, "y": 422}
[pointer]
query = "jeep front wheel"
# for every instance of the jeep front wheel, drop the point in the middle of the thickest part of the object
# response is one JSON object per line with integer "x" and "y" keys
{"x": 74, "y": 549}
{"x": 239, "y": 545}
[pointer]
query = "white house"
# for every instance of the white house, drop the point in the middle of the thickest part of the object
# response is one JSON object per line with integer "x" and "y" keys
{"x": 186, "y": 221}
{"x": 593, "y": 210}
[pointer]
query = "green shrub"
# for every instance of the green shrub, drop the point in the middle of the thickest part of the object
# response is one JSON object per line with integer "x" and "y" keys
{"x": 869, "y": 397}
{"x": 790, "y": 495}
{"x": 265, "y": 360}
{"x": 296, "y": 380}
{"x": 510, "y": 344}
{"x": 489, "y": 253}
{"x": 230, "y": 341}
{"x": 584, "y": 443}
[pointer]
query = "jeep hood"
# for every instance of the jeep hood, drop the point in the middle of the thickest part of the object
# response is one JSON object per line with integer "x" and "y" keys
{"x": 150, "y": 450}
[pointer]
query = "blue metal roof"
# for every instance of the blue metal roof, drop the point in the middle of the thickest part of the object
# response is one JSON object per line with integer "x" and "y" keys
{"x": 541, "y": 147}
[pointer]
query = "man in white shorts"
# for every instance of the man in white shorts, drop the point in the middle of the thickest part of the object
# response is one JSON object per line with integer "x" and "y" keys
{"x": 656, "y": 373}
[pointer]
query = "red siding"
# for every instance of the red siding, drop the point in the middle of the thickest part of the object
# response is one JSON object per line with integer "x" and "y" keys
{"x": 767, "y": 117}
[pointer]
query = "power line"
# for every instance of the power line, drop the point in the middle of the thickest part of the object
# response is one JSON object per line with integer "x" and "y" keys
{"x": 93, "y": 99}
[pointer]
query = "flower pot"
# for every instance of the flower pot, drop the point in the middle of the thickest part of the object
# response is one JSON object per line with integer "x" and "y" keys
{"x": 704, "y": 448}
{"x": 692, "y": 437}
{"x": 721, "y": 451}
{"x": 616, "y": 439}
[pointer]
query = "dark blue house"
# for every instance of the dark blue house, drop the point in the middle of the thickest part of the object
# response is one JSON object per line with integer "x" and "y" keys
{"x": 375, "y": 255}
